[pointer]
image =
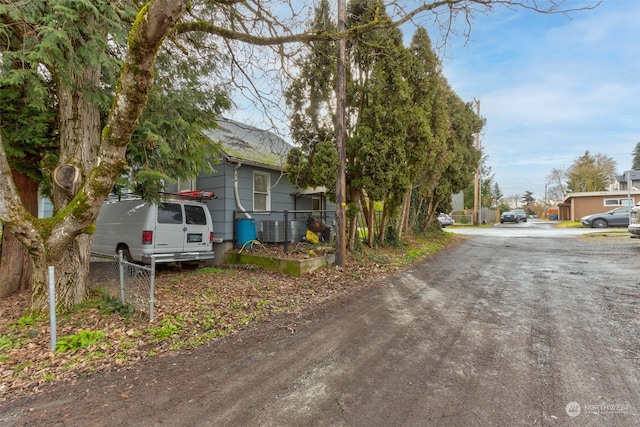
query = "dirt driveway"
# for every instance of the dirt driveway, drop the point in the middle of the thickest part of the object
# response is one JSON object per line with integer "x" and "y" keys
{"x": 495, "y": 331}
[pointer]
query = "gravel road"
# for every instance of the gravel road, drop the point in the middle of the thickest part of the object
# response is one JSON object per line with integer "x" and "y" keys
{"x": 500, "y": 330}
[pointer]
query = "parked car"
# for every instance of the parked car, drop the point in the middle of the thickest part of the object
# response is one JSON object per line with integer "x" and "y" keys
{"x": 445, "y": 220}
{"x": 179, "y": 229}
{"x": 618, "y": 217}
{"x": 509, "y": 217}
{"x": 522, "y": 216}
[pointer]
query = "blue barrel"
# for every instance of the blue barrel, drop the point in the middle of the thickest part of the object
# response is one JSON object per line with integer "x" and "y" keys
{"x": 245, "y": 231}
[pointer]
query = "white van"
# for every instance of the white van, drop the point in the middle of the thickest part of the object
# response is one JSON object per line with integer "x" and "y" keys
{"x": 177, "y": 230}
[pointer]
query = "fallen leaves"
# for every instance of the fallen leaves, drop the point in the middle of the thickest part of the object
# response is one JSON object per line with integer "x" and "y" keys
{"x": 192, "y": 307}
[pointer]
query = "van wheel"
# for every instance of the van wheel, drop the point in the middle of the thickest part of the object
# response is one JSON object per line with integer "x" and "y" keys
{"x": 125, "y": 253}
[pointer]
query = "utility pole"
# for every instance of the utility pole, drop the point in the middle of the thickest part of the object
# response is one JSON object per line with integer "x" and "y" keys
{"x": 546, "y": 202}
{"x": 341, "y": 203}
{"x": 476, "y": 183}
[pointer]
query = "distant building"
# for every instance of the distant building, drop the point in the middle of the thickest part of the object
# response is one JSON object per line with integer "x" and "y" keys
{"x": 621, "y": 181}
{"x": 577, "y": 205}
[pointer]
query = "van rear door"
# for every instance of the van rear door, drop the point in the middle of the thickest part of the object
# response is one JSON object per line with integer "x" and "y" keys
{"x": 169, "y": 235}
{"x": 182, "y": 227}
{"x": 197, "y": 228}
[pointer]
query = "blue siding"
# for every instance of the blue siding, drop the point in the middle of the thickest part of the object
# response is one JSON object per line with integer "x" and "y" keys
{"x": 222, "y": 208}
{"x": 283, "y": 197}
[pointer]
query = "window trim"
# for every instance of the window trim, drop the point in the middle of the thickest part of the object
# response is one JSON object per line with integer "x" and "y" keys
{"x": 618, "y": 202}
{"x": 187, "y": 185}
{"x": 267, "y": 177}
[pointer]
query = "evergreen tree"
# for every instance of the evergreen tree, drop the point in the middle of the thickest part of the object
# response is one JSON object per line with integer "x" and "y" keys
{"x": 636, "y": 158}
{"x": 427, "y": 134}
{"x": 313, "y": 161}
{"x": 379, "y": 136}
{"x": 496, "y": 195}
{"x": 527, "y": 198}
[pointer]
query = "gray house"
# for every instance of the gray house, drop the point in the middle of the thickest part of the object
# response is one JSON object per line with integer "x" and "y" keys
{"x": 253, "y": 191}
{"x": 633, "y": 176}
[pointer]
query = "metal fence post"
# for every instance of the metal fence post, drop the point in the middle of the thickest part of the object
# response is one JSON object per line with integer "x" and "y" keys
{"x": 121, "y": 264}
{"x": 52, "y": 307}
{"x": 286, "y": 231}
{"x": 152, "y": 286}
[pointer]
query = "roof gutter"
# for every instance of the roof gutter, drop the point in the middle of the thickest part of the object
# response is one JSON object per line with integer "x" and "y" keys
{"x": 233, "y": 159}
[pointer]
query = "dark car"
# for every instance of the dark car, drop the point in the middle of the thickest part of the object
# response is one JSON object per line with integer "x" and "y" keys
{"x": 618, "y": 217}
{"x": 522, "y": 216}
{"x": 445, "y": 220}
{"x": 509, "y": 217}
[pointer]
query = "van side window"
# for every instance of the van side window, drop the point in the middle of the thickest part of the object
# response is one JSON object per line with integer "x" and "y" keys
{"x": 195, "y": 215}
{"x": 170, "y": 213}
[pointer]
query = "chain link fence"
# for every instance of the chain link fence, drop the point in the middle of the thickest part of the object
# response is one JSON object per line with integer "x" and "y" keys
{"x": 129, "y": 283}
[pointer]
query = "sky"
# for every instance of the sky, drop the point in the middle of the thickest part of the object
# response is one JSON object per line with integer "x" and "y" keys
{"x": 550, "y": 88}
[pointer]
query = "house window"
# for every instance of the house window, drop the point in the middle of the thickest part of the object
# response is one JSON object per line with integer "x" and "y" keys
{"x": 618, "y": 202}
{"x": 315, "y": 204}
{"x": 261, "y": 191}
{"x": 187, "y": 185}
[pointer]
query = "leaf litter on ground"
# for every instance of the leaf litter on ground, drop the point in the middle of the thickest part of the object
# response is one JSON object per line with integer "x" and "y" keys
{"x": 192, "y": 308}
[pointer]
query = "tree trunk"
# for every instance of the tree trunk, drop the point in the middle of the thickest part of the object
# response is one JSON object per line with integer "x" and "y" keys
{"x": 341, "y": 136}
{"x": 383, "y": 220}
{"x": 353, "y": 221}
{"x": 79, "y": 137}
{"x": 71, "y": 274}
{"x": 430, "y": 212}
{"x": 404, "y": 216}
{"x": 15, "y": 264}
{"x": 415, "y": 214}
{"x": 353, "y": 233}
{"x": 367, "y": 210}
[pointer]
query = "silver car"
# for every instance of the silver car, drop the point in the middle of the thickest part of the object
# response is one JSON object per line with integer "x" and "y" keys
{"x": 618, "y": 217}
{"x": 445, "y": 220}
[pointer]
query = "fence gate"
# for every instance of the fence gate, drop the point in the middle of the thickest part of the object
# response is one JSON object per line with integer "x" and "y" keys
{"x": 129, "y": 283}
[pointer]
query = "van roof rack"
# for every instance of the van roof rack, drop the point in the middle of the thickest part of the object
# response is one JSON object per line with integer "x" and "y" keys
{"x": 193, "y": 195}
{"x": 118, "y": 197}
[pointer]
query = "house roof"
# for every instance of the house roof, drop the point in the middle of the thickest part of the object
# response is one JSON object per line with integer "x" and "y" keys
{"x": 617, "y": 193}
{"x": 635, "y": 176}
{"x": 247, "y": 144}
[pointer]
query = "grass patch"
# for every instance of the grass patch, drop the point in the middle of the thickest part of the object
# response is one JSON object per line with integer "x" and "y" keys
{"x": 212, "y": 270}
{"x": 169, "y": 326}
{"x": 80, "y": 340}
{"x": 569, "y": 224}
{"x": 10, "y": 342}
